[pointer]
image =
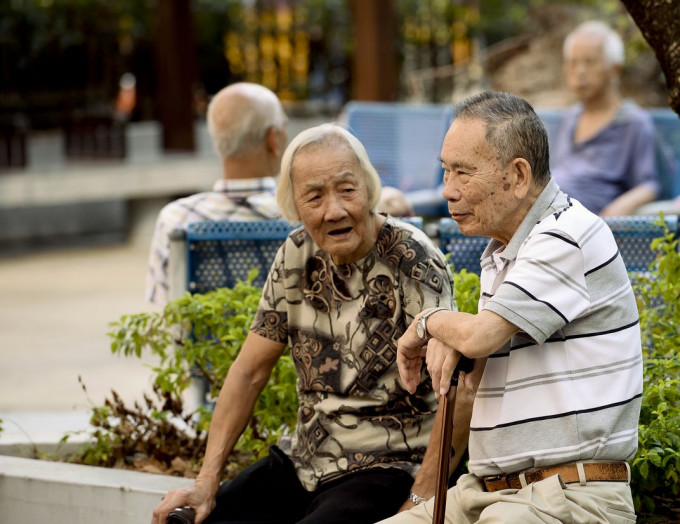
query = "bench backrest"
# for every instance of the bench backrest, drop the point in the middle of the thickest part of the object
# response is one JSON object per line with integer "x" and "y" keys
{"x": 220, "y": 253}
{"x": 667, "y": 125}
{"x": 633, "y": 235}
{"x": 403, "y": 141}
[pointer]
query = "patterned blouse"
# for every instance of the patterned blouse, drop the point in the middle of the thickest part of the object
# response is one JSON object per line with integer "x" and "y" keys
{"x": 342, "y": 323}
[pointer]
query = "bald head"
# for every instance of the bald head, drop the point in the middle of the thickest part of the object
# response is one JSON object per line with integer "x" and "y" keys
{"x": 239, "y": 117}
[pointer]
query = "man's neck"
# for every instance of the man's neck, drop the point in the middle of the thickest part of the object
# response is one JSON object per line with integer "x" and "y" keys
{"x": 607, "y": 103}
{"x": 246, "y": 166}
{"x": 597, "y": 114}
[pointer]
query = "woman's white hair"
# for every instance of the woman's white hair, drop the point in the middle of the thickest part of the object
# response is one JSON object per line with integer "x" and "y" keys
{"x": 612, "y": 45}
{"x": 326, "y": 135}
{"x": 239, "y": 117}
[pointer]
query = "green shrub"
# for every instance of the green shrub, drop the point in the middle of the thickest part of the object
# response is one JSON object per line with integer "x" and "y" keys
{"x": 656, "y": 486}
{"x": 466, "y": 290}
{"x": 195, "y": 337}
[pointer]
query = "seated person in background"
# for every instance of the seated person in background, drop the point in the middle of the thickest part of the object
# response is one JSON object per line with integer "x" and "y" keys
{"x": 556, "y": 412}
{"x": 604, "y": 151}
{"x": 394, "y": 202}
{"x": 248, "y": 129}
{"x": 342, "y": 289}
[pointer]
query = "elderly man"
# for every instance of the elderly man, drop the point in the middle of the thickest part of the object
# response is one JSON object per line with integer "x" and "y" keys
{"x": 248, "y": 128}
{"x": 342, "y": 290}
{"x": 604, "y": 151}
{"x": 556, "y": 412}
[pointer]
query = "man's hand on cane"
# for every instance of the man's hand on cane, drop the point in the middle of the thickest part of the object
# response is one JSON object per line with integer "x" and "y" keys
{"x": 441, "y": 361}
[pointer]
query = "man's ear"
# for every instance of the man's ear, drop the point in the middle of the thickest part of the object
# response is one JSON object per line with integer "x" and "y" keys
{"x": 524, "y": 176}
{"x": 274, "y": 141}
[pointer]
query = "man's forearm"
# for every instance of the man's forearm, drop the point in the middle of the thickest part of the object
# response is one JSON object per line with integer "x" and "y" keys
{"x": 628, "y": 202}
{"x": 475, "y": 336}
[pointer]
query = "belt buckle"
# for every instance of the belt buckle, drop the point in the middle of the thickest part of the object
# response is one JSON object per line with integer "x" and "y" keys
{"x": 489, "y": 481}
{"x": 494, "y": 478}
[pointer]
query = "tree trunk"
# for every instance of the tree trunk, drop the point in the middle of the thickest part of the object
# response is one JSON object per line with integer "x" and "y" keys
{"x": 659, "y": 22}
{"x": 375, "y": 71}
{"x": 176, "y": 74}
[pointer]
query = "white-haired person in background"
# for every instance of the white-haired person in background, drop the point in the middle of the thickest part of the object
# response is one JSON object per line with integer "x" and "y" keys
{"x": 247, "y": 125}
{"x": 604, "y": 151}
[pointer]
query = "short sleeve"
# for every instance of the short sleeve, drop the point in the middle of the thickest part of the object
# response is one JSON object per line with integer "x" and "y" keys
{"x": 271, "y": 318}
{"x": 546, "y": 287}
{"x": 429, "y": 283}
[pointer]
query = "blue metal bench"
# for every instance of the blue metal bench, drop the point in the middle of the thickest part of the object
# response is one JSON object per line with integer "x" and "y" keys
{"x": 220, "y": 253}
{"x": 464, "y": 251}
{"x": 403, "y": 142}
{"x": 667, "y": 125}
{"x": 633, "y": 235}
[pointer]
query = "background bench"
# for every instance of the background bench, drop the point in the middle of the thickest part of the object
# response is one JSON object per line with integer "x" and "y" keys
{"x": 214, "y": 254}
{"x": 403, "y": 142}
{"x": 633, "y": 235}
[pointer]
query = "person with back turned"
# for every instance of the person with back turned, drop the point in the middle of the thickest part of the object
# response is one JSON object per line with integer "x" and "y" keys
{"x": 247, "y": 125}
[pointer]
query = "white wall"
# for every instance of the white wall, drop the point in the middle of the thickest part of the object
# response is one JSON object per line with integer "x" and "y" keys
{"x": 33, "y": 491}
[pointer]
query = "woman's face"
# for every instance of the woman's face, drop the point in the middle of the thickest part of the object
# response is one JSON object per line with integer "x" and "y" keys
{"x": 332, "y": 199}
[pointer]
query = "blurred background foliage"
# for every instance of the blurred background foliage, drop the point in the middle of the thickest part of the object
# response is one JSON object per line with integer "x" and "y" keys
{"x": 59, "y": 55}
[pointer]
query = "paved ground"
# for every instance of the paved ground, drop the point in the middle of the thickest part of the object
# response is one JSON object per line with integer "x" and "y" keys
{"x": 55, "y": 307}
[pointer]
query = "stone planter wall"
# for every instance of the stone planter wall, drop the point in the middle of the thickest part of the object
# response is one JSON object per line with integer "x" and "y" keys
{"x": 39, "y": 491}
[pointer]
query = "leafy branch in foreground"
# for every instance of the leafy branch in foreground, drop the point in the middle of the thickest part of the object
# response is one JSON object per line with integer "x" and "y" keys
{"x": 656, "y": 482}
{"x": 196, "y": 337}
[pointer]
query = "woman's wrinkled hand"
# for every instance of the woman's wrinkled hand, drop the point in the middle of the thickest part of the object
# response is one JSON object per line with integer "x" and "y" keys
{"x": 200, "y": 496}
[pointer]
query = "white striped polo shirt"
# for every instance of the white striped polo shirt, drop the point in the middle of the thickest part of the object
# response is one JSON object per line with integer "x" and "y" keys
{"x": 567, "y": 387}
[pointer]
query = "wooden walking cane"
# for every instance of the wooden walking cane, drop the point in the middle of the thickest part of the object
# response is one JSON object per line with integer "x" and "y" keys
{"x": 447, "y": 405}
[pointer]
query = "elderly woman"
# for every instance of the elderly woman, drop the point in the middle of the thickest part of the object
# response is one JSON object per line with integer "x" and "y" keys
{"x": 342, "y": 290}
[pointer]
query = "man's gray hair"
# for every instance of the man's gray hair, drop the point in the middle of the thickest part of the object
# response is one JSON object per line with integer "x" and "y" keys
{"x": 513, "y": 130}
{"x": 239, "y": 117}
{"x": 612, "y": 44}
{"x": 326, "y": 135}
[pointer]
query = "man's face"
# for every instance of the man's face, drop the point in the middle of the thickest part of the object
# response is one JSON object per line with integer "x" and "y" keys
{"x": 479, "y": 190}
{"x": 587, "y": 73}
{"x": 332, "y": 199}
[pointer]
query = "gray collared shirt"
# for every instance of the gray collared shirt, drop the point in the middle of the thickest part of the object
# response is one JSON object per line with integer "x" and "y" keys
{"x": 618, "y": 158}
